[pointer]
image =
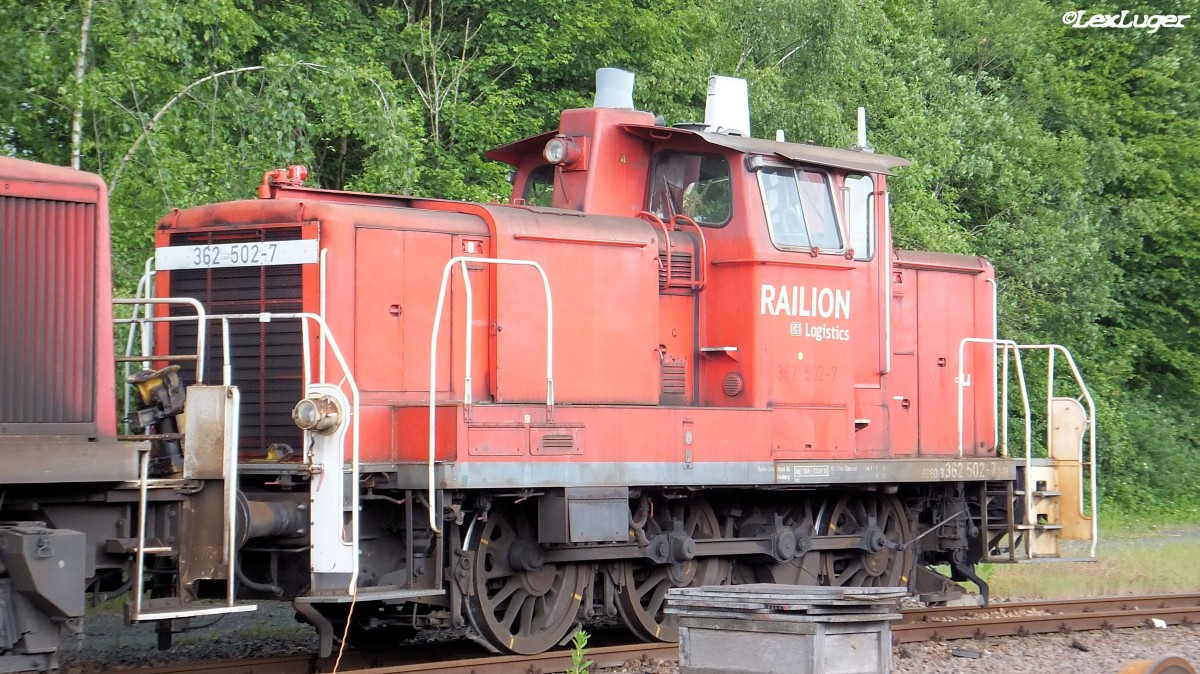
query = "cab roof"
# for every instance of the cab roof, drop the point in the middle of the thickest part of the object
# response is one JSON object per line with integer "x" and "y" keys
{"x": 804, "y": 153}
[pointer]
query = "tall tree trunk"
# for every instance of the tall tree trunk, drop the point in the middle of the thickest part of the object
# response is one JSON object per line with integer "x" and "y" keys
{"x": 80, "y": 68}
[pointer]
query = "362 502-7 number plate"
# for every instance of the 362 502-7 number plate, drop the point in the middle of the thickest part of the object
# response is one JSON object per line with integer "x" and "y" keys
{"x": 248, "y": 254}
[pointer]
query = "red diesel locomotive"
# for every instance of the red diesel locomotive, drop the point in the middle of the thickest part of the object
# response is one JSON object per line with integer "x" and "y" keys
{"x": 679, "y": 356}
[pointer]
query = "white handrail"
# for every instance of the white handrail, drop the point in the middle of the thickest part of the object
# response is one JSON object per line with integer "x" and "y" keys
{"x": 1007, "y": 344}
{"x": 324, "y": 290}
{"x": 1091, "y": 430}
{"x": 995, "y": 362}
{"x": 1052, "y": 350}
{"x": 330, "y": 343}
{"x": 200, "y": 318}
{"x": 462, "y": 261}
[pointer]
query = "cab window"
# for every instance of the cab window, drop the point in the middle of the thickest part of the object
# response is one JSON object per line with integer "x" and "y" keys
{"x": 695, "y": 185}
{"x": 539, "y": 186}
{"x": 799, "y": 209}
{"x": 860, "y": 215}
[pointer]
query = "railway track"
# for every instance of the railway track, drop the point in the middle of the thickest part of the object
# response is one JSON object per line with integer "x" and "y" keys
{"x": 941, "y": 623}
{"x": 1043, "y": 617}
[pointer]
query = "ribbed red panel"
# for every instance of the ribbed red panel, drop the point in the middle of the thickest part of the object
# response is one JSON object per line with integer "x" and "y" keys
{"x": 47, "y": 312}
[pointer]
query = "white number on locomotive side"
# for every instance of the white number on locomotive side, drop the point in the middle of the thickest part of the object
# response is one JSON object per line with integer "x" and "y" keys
{"x": 249, "y": 254}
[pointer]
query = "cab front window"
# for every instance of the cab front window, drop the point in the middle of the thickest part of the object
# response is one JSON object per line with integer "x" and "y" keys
{"x": 694, "y": 185}
{"x": 539, "y": 186}
{"x": 799, "y": 209}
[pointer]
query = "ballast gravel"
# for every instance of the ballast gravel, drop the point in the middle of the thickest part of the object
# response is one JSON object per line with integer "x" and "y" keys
{"x": 1099, "y": 652}
{"x": 273, "y": 631}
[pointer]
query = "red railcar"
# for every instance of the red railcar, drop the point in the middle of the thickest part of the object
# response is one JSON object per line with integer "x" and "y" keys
{"x": 679, "y": 356}
{"x": 60, "y": 462}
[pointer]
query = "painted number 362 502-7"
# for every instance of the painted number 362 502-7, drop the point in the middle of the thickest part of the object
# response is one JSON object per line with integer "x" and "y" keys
{"x": 235, "y": 255}
{"x": 242, "y": 254}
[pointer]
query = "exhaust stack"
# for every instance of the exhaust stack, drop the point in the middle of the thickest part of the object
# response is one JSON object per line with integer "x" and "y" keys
{"x": 614, "y": 89}
{"x": 728, "y": 107}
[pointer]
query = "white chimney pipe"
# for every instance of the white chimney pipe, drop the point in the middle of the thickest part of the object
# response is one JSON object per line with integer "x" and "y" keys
{"x": 728, "y": 107}
{"x": 614, "y": 89}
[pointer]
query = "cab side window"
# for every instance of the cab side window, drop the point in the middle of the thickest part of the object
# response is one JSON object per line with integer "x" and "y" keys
{"x": 799, "y": 205}
{"x": 860, "y": 215}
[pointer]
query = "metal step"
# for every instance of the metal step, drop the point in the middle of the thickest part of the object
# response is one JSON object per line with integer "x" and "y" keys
{"x": 386, "y": 593}
{"x": 149, "y": 614}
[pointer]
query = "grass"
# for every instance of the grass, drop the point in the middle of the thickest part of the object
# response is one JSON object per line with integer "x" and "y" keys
{"x": 1132, "y": 558}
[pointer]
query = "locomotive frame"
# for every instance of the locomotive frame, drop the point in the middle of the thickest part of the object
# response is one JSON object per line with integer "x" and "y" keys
{"x": 698, "y": 361}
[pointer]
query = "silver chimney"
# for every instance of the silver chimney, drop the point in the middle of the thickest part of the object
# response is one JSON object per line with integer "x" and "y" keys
{"x": 614, "y": 89}
{"x": 728, "y": 107}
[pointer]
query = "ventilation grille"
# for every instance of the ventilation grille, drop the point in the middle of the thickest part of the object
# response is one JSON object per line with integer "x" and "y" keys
{"x": 266, "y": 358}
{"x": 681, "y": 268}
{"x": 557, "y": 442}
{"x": 733, "y": 384}
{"x": 48, "y": 305}
{"x": 674, "y": 381}
{"x": 552, "y": 442}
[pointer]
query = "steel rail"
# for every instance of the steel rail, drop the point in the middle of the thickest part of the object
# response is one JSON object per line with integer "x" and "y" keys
{"x": 1054, "y": 616}
{"x": 924, "y": 624}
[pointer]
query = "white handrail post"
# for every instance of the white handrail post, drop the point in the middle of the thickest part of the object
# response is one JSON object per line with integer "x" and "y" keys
{"x": 321, "y": 353}
{"x": 470, "y": 320}
{"x": 461, "y": 261}
{"x": 232, "y": 426}
{"x": 1004, "y": 403}
{"x": 1049, "y": 396}
{"x": 139, "y": 564}
{"x": 226, "y": 364}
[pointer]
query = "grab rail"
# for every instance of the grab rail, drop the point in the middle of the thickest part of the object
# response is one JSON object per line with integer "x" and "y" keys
{"x": 462, "y": 261}
{"x": 327, "y": 342}
{"x": 1008, "y": 345}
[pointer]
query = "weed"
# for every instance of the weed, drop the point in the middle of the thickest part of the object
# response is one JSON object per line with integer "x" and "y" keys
{"x": 579, "y": 662}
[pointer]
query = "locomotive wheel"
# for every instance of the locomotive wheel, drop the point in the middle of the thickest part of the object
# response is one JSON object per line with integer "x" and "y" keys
{"x": 883, "y": 521}
{"x": 643, "y": 585}
{"x": 520, "y": 604}
{"x": 802, "y": 570}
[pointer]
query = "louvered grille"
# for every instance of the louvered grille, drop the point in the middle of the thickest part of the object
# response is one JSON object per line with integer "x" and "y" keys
{"x": 681, "y": 268}
{"x": 47, "y": 301}
{"x": 266, "y": 358}
{"x": 674, "y": 381}
{"x": 560, "y": 442}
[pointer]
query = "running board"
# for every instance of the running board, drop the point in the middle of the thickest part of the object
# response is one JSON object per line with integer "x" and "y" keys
{"x": 151, "y": 614}
{"x": 373, "y": 594}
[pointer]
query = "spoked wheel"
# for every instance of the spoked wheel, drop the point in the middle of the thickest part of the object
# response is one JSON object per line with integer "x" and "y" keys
{"x": 520, "y": 603}
{"x": 804, "y": 569}
{"x": 881, "y": 518}
{"x": 644, "y": 584}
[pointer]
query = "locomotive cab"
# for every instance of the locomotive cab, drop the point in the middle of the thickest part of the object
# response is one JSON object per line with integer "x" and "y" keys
{"x": 777, "y": 279}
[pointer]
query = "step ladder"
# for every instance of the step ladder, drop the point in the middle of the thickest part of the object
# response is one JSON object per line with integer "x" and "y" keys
{"x": 207, "y": 552}
{"x": 1054, "y": 498}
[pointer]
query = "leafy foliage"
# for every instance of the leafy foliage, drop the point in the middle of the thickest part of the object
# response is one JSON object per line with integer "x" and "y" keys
{"x": 1069, "y": 157}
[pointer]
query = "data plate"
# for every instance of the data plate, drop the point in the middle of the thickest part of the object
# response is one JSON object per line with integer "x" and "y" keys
{"x": 248, "y": 254}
